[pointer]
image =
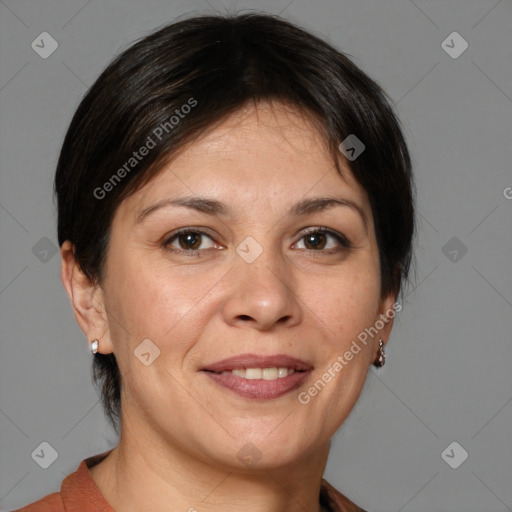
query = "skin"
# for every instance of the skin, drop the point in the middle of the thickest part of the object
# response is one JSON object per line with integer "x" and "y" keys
{"x": 180, "y": 431}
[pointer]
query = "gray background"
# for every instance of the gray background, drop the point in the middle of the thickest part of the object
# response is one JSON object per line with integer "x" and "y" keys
{"x": 448, "y": 373}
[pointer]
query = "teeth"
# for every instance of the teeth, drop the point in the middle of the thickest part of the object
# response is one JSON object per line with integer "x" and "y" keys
{"x": 282, "y": 372}
{"x": 261, "y": 373}
{"x": 253, "y": 373}
{"x": 269, "y": 373}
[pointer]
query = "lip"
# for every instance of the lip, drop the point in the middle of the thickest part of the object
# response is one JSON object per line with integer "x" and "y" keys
{"x": 257, "y": 361}
{"x": 258, "y": 388}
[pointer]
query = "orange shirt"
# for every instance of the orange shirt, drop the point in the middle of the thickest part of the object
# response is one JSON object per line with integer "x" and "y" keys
{"x": 79, "y": 493}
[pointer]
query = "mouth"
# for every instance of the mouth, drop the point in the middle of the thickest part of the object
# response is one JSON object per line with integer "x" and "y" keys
{"x": 272, "y": 373}
{"x": 259, "y": 377}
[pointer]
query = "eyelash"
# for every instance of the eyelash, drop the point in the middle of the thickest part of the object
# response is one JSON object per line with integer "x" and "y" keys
{"x": 341, "y": 239}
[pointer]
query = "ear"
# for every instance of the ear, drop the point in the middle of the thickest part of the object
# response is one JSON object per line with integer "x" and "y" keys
{"x": 387, "y": 311}
{"x": 87, "y": 300}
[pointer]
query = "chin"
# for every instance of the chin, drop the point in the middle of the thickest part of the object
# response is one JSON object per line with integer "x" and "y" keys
{"x": 261, "y": 451}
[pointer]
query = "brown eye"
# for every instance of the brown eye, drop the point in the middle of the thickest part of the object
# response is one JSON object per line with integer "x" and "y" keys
{"x": 188, "y": 240}
{"x": 324, "y": 240}
{"x": 315, "y": 241}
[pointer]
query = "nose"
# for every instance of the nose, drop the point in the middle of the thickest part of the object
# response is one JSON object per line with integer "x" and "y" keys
{"x": 262, "y": 295}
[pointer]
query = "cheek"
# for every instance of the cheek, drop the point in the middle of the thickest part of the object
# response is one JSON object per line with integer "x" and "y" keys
{"x": 154, "y": 301}
{"x": 348, "y": 303}
{"x": 345, "y": 309}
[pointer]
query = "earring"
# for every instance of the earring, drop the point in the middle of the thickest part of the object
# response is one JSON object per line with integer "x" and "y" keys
{"x": 382, "y": 355}
{"x": 94, "y": 346}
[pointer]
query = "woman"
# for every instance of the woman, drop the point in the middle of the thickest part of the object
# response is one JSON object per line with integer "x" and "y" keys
{"x": 235, "y": 216}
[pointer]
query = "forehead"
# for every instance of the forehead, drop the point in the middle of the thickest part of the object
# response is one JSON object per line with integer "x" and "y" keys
{"x": 266, "y": 131}
{"x": 268, "y": 149}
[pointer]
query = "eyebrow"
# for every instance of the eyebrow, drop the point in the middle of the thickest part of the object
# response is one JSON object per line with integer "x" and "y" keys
{"x": 219, "y": 209}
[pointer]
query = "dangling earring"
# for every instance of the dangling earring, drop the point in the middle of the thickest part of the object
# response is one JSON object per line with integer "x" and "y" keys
{"x": 382, "y": 355}
{"x": 94, "y": 346}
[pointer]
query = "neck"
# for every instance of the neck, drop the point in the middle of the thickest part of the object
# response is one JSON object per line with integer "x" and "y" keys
{"x": 139, "y": 474}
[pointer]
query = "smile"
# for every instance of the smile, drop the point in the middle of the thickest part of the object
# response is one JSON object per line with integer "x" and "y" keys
{"x": 259, "y": 376}
{"x": 261, "y": 373}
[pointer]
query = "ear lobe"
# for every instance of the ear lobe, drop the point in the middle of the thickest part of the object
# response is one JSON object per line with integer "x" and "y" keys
{"x": 86, "y": 298}
{"x": 386, "y": 314}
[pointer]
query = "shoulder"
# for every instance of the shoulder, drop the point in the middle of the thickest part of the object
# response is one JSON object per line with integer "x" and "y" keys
{"x": 51, "y": 503}
{"x": 334, "y": 501}
{"x": 78, "y": 491}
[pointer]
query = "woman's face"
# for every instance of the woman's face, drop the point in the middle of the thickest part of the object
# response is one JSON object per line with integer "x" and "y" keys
{"x": 249, "y": 276}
